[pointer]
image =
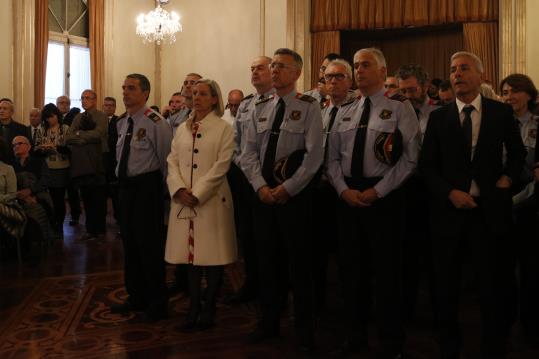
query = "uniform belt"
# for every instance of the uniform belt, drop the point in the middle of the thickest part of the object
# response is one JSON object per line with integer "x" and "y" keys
{"x": 139, "y": 178}
{"x": 362, "y": 183}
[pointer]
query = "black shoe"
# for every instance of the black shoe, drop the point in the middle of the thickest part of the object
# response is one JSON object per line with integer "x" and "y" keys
{"x": 349, "y": 347}
{"x": 126, "y": 308}
{"x": 259, "y": 335}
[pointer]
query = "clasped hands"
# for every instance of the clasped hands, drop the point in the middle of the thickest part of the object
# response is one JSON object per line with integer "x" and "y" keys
{"x": 463, "y": 200}
{"x": 185, "y": 196}
{"x": 277, "y": 195}
{"x": 356, "y": 198}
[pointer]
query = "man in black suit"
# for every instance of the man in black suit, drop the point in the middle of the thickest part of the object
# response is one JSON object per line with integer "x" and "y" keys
{"x": 463, "y": 166}
{"x": 109, "y": 108}
{"x": 9, "y": 129}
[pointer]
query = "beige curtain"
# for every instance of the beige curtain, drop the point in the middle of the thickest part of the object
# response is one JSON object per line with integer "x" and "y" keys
{"x": 330, "y": 15}
{"x": 41, "y": 46}
{"x": 481, "y": 38}
{"x": 96, "y": 11}
{"x": 322, "y": 44}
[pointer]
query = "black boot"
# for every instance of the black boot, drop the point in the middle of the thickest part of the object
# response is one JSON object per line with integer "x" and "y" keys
{"x": 214, "y": 278}
{"x": 190, "y": 322}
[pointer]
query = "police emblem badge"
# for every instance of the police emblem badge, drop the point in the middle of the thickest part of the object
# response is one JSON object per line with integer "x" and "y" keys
{"x": 295, "y": 115}
{"x": 262, "y": 119}
{"x": 385, "y": 114}
{"x": 141, "y": 133}
{"x": 346, "y": 119}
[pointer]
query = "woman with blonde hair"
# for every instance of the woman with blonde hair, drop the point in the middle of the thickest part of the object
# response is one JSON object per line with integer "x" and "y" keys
{"x": 201, "y": 222}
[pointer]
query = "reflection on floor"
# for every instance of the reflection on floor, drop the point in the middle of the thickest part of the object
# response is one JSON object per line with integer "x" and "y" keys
{"x": 56, "y": 306}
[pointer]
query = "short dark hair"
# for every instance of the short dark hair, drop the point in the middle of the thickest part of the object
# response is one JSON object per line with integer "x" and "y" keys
{"x": 297, "y": 58}
{"x": 406, "y": 71}
{"x": 436, "y": 82}
{"x": 445, "y": 85}
{"x": 521, "y": 82}
{"x": 332, "y": 56}
{"x": 108, "y": 98}
{"x": 143, "y": 81}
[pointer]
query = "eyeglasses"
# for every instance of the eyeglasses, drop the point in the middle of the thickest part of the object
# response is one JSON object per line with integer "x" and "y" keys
{"x": 190, "y": 82}
{"x": 410, "y": 90}
{"x": 337, "y": 76}
{"x": 87, "y": 98}
{"x": 279, "y": 65}
{"x": 19, "y": 143}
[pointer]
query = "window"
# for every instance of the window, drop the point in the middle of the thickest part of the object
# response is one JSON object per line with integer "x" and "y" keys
{"x": 68, "y": 56}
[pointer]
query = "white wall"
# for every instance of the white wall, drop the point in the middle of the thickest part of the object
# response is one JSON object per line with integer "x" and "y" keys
{"x": 275, "y": 25}
{"x": 219, "y": 41}
{"x": 6, "y": 48}
{"x": 532, "y": 46}
{"x": 124, "y": 51}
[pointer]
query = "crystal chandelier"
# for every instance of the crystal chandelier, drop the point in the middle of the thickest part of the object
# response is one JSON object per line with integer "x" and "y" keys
{"x": 158, "y": 25}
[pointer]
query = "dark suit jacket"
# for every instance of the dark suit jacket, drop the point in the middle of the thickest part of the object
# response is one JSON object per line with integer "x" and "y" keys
{"x": 443, "y": 164}
{"x": 15, "y": 129}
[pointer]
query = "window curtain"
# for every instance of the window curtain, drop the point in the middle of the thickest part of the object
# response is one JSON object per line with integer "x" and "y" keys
{"x": 96, "y": 12}
{"x": 481, "y": 38}
{"x": 322, "y": 44}
{"x": 41, "y": 45}
{"x": 330, "y": 15}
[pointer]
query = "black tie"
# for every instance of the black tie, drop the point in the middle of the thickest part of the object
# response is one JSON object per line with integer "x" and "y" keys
{"x": 356, "y": 169}
{"x": 271, "y": 149}
{"x": 417, "y": 112}
{"x": 467, "y": 131}
{"x": 124, "y": 158}
{"x": 332, "y": 115}
{"x": 34, "y": 135}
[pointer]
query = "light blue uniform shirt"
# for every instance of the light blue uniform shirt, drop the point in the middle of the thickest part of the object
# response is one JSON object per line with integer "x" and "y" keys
{"x": 301, "y": 129}
{"x": 178, "y": 118}
{"x": 241, "y": 122}
{"x": 150, "y": 143}
{"x": 385, "y": 116}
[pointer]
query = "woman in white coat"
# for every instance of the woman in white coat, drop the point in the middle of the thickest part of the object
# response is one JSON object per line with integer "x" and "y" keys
{"x": 201, "y": 222}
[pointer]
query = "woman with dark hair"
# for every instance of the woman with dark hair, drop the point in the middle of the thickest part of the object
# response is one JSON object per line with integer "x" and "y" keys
{"x": 51, "y": 143}
{"x": 519, "y": 91}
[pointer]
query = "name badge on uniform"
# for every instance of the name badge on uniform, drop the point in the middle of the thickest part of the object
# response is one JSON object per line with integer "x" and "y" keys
{"x": 532, "y": 133}
{"x": 141, "y": 133}
{"x": 295, "y": 115}
{"x": 346, "y": 119}
{"x": 385, "y": 114}
{"x": 262, "y": 119}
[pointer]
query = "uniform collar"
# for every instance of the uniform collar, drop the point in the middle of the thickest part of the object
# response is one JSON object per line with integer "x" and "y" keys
{"x": 138, "y": 113}
{"x": 265, "y": 94}
{"x": 375, "y": 98}
{"x": 288, "y": 97}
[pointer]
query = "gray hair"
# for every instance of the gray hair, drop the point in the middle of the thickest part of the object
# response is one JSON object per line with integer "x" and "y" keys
{"x": 298, "y": 61}
{"x": 412, "y": 70}
{"x": 215, "y": 90}
{"x": 377, "y": 53}
{"x": 343, "y": 63}
{"x": 471, "y": 55}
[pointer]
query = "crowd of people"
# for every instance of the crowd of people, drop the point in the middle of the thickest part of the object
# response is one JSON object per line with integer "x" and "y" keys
{"x": 403, "y": 177}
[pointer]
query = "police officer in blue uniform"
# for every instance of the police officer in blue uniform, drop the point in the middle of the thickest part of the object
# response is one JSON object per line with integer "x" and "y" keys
{"x": 283, "y": 152}
{"x": 242, "y": 191}
{"x": 142, "y": 149}
{"x": 371, "y": 154}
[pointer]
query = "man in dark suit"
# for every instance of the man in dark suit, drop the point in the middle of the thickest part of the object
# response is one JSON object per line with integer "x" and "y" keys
{"x": 9, "y": 129}
{"x": 463, "y": 166}
{"x": 109, "y": 108}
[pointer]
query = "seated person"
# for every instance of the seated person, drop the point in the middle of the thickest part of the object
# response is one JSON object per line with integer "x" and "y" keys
{"x": 32, "y": 178}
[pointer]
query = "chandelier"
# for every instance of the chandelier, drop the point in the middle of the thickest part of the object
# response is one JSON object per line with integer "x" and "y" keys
{"x": 158, "y": 25}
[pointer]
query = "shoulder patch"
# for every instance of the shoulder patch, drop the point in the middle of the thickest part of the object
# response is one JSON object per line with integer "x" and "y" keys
{"x": 122, "y": 115}
{"x": 264, "y": 100}
{"x": 398, "y": 97}
{"x": 152, "y": 115}
{"x": 248, "y": 97}
{"x": 305, "y": 98}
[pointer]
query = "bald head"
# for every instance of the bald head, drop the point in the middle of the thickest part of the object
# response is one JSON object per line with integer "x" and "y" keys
{"x": 234, "y": 99}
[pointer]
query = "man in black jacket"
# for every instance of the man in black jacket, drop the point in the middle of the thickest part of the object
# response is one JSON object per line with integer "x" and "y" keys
{"x": 9, "y": 129}
{"x": 463, "y": 166}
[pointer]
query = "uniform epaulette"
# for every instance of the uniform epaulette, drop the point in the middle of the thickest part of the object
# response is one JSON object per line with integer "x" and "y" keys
{"x": 349, "y": 102}
{"x": 122, "y": 115}
{"x": 248, "y": 97}
{"x": 398, "y": 97}
{"x": 305, "y": 98}
{"x": 152, "y": 115}
{"x": 264, "y": 100}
